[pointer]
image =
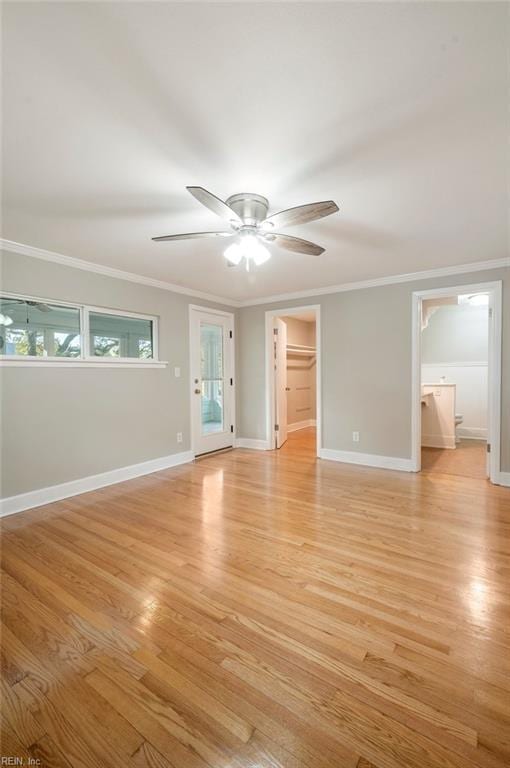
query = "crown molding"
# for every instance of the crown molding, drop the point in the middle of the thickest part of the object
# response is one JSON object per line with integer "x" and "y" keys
{"x": 120, "y": 274}
{"x": 427, "y": 274}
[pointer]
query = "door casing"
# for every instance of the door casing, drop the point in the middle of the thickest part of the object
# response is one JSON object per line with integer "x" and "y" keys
{"x": 494, "y": 289}
{"x": 270, "y": 440}
{"x": 229, "y": 374}
{"x": 280, "y": 353}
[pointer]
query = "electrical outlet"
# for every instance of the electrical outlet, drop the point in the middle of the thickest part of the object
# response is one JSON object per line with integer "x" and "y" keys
{"x": 355, "y": 437}
{"x": 179, "y": 437}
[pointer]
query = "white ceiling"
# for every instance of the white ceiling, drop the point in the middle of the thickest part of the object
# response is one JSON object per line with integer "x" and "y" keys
{"x": 399, "y": 112}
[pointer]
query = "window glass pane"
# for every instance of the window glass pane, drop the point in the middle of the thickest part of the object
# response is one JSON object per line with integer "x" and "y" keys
{"x": 211, "y": 351}
{"x": 38, "y": 329}
{"x": 120, "y": 336}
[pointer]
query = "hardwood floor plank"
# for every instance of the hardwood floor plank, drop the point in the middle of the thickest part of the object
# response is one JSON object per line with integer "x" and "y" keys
{"x": 147, "y": 756}
{"x": 73, "y": 742}
{"x": 261, "y": 610}
{"x": 156, "y": 720}
{"x": 48, "y": 755}
{"x": 20, "y": 719}
{"x": 197, "y": 697}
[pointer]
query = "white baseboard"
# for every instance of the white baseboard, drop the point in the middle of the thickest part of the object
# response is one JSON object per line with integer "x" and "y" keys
{"x": 367, "y": 459}
{"x": 13, "y": 504}
{"x": 438, "y": 441}
{"x": 472, "y": 433}
{"x": 504, "y": 479}
{"x": 301, "y": 425}
{"x": 249, "y": 442}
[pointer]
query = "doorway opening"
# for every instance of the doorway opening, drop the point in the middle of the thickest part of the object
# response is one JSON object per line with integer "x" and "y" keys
{"x": 457, "y": 381}
{"x": 293, "y": 379}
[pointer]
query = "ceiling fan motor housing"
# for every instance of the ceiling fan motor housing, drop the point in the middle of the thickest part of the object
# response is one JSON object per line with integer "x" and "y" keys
{"x": 252, "y": 209}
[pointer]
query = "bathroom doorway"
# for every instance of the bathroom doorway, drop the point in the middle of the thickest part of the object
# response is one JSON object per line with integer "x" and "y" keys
{"x": 456, "y": 381}
{"x": 293, "y": 379}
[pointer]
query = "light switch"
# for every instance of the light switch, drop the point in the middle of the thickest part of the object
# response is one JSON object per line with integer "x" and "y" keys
{"x": 177, "y": 372}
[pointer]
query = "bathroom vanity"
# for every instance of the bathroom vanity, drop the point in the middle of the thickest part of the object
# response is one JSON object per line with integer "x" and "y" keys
{"x": 438, "y": 417}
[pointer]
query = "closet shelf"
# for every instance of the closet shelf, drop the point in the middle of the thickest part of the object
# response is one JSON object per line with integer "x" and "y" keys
{"x": 301, "y": 350}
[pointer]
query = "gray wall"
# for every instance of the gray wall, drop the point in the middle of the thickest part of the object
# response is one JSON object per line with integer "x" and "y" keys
{"x": 456, "y": 333}
{"x": 64, "y": 424}
{"x": 61, "y": 425}
{"x": 366, "y": 365}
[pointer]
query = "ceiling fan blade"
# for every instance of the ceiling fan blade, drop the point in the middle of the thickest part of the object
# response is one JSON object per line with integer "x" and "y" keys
{"x": 214, "y": 204}
{"x": 295, "y": 244}
{"x": 190, "y": 235}
{"x": 300, "y": 215}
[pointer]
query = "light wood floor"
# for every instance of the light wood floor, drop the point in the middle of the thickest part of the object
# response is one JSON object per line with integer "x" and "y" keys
{"x": 261, "y": 610}
{"x": 469, "y": 459}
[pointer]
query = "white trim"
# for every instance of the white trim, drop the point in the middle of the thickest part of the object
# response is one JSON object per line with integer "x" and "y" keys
{"x": 120, "y": 274}
{"x": 85, "y": 333}
{"x": 13, "y": 504}
{"x": 211, "y": 311}
{"x": 427, "y": 274}
{"x": 77, "y": 362}
{"x": 438, "y": 441}
{"x": 367, "y": 459}
{"x": 297, "y": 425}
{"x": 231, "y": 373}
{"x": 269, "y": 388}
{"x": 472, "y": 433}
{"x": 503, "y": 479}
{"x": 480, "y": 364}
{"x": 494, "y": 289}
{"x": 248, "y": 442}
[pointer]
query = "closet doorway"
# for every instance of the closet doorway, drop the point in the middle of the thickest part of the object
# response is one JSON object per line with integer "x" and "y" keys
{"x": 293, "y": 378}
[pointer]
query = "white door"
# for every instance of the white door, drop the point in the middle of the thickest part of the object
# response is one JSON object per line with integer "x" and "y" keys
{"x": 211, "y": 381}
{"x": 280, "y": 360}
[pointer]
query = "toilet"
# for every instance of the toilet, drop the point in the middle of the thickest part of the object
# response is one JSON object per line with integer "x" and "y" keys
{"x": 459, "y": 418}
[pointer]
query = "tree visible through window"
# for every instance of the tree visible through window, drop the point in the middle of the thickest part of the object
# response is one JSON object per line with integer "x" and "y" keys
{"x": 120, "y": 336}
{"x": 36, "y": 328}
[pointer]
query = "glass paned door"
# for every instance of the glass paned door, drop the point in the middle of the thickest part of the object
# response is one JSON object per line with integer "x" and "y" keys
{"x": 211, "y": 380}
{"x": 212, "y": 374}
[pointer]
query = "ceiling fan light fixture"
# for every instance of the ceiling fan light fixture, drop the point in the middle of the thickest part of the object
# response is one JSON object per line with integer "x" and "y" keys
{"x": 233, "y": 253}
{"x": 254, "y": 250}
{"x": 250, "y": 248}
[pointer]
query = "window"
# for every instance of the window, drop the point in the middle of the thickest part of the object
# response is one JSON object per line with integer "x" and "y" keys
{"x": 38, "y": 329}
{"x": 120, "y": 336}
{"x": 42, "y": 330}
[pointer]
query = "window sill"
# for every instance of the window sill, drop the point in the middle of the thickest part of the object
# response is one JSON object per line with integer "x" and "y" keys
{"x": 73, "y": 362}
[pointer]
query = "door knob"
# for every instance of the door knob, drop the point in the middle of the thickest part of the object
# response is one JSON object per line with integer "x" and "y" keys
{"x": 198, "y": 391}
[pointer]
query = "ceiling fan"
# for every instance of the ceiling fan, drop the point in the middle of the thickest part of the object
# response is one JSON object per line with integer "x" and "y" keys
{"x": 249, "y": 223}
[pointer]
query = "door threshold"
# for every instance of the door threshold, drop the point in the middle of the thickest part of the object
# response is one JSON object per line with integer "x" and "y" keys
{"x": 213, "y": 453}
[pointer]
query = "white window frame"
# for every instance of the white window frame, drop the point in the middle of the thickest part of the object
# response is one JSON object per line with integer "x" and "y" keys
{"x": 86, "y": 360}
